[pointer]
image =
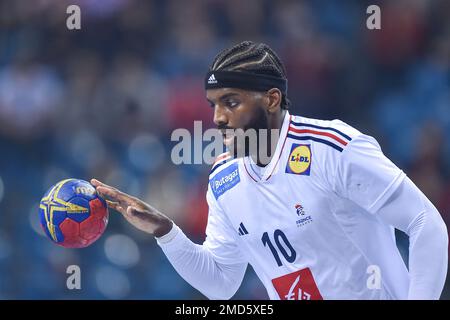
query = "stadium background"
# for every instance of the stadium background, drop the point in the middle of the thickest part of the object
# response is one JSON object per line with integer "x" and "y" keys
{"x": 103, "y": 101}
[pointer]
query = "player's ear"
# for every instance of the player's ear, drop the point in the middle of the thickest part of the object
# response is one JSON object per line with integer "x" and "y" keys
{"x": 274, "y": 97}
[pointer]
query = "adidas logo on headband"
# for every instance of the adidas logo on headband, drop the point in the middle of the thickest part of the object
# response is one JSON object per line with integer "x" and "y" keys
{"x": 244, "y": 80}
{"x": 212, "y": 80}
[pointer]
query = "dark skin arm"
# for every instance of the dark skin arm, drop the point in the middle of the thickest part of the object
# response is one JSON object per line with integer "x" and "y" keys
{"x": 137, "y": 212}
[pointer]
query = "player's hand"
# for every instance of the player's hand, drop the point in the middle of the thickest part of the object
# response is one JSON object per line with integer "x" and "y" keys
{"x": 137, "y": 212}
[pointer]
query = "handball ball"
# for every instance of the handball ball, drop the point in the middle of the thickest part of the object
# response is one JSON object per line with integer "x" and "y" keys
{"x": 72, "y": 214}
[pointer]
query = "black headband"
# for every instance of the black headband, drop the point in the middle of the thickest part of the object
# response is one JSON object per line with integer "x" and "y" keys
{"x": 244, "y": 80}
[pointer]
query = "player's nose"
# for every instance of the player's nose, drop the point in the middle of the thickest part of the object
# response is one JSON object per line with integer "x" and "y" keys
{"x": 220, "y": 117}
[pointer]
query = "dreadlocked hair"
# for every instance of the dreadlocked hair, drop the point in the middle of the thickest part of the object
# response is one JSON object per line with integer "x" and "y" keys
{"x": 252, "y": 57}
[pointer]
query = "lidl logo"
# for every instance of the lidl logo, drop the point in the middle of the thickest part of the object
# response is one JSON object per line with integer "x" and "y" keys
{"x": 299, "y": 161}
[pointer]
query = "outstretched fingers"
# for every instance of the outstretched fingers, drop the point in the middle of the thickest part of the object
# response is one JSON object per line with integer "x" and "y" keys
{"x": 113, "y": 194}
{"x": 97, "y": 183}
{"x": 115, "y": 206}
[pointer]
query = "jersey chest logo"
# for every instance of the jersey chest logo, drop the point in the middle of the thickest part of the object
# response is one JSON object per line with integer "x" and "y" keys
{"x": 225, "y": 180}
{"x": 303, "y": 217}
{"x": 299, "y": 285}
{"x": 299, "y": 161}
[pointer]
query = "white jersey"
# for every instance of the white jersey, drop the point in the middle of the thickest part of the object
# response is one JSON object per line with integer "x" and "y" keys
{"x": 307, "y": 222}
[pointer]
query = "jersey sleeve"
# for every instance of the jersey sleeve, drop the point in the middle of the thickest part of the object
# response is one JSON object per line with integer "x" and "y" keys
{"x": 364, "y": 175}
{"x": 220, "y": 236}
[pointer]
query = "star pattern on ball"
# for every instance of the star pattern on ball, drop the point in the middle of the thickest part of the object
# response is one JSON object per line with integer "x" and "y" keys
{"x": 52, "y": 203}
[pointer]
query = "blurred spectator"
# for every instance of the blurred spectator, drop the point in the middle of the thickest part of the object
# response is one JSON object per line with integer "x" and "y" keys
{"x": 29, "y": 95}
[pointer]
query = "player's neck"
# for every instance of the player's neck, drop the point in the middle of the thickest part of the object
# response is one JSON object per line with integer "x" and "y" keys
{"x": 273, "y": 135}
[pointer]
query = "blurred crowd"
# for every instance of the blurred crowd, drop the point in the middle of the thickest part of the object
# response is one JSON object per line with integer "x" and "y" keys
{"x": 103, "y": 101}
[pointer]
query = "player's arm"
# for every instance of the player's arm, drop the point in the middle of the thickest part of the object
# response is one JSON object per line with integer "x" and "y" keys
{"x": 214, "y": 268}
{"x": 368, "y": 178}
{"x": 409, "y": 210}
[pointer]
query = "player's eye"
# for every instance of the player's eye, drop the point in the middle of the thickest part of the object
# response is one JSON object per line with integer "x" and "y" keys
{"x": 232, "y": 103}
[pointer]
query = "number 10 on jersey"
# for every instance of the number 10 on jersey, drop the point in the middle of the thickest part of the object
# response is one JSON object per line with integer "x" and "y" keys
{"x": 282, "y": 245}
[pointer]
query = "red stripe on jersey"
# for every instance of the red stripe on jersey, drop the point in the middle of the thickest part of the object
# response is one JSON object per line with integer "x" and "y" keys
{"x": 249, "y": 172}
{"x": 221, "y": 157}
{"x": 319, "y": 133}
{"x": 281, "y": 151}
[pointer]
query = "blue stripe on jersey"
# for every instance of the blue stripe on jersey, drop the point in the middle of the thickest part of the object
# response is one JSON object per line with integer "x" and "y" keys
{"x": 319, "y": 127}
{"x": 317, "y": 140}
{"x": 253, "y": 169}
{"x": 214, "y": 168}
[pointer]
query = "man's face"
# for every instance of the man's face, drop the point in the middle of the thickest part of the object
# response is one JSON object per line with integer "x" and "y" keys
{"x": 238, "y": 109}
